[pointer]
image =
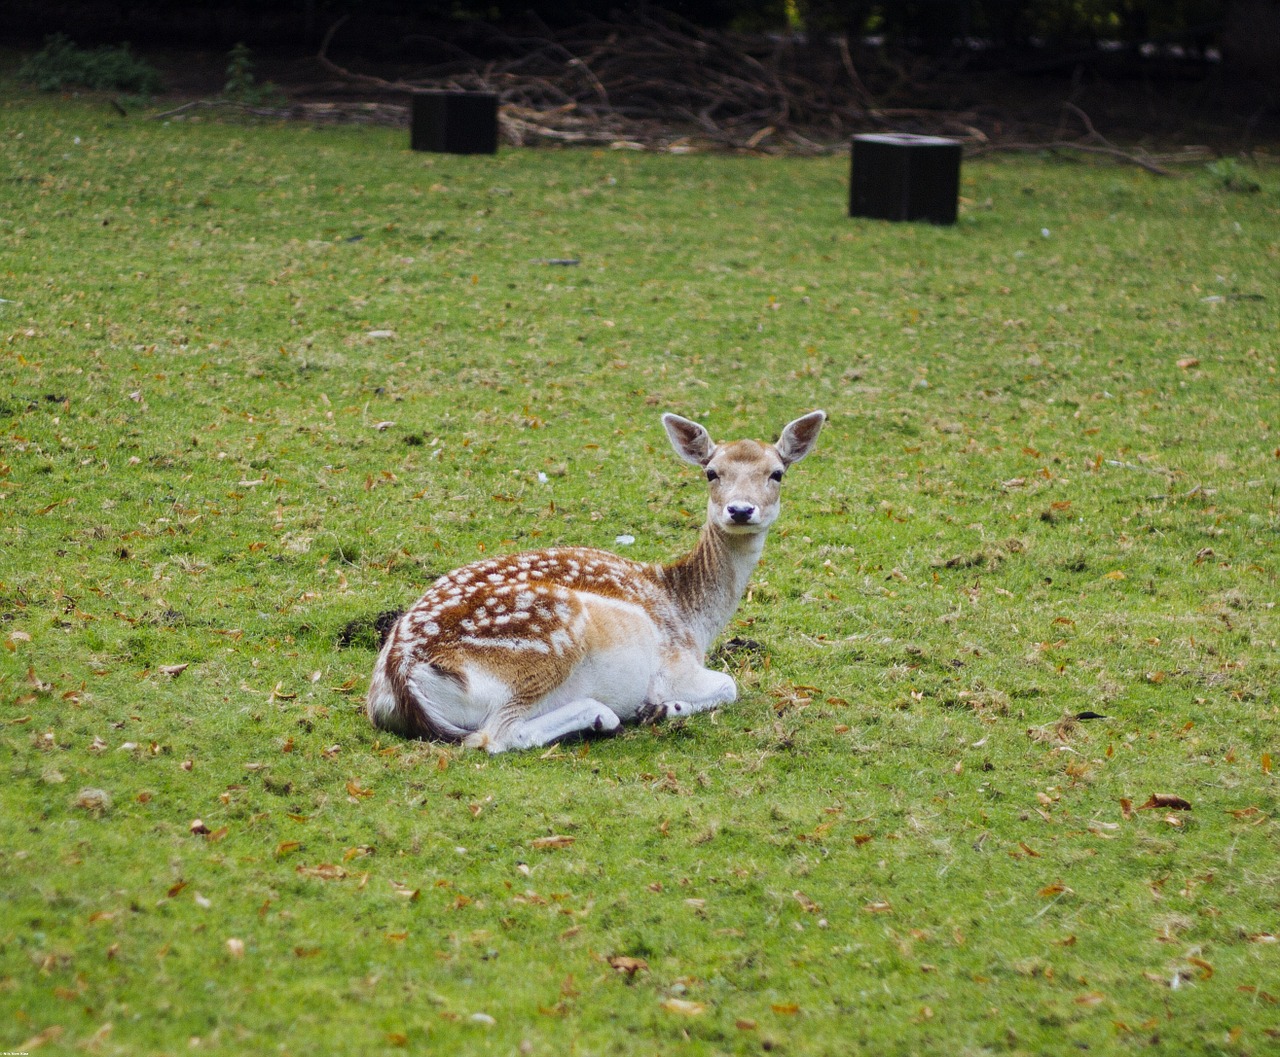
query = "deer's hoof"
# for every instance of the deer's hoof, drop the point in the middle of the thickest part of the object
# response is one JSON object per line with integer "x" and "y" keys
{"x": 651, "y": 712}
{"x": 606, "y": 727}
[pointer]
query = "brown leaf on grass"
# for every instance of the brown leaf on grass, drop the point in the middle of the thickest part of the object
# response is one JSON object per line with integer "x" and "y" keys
{"x": 551, "y": 843}
{"x": 683, "y": 1007}
{"x": 198, "y": 828}
{"x": 1092, "y": 998}
{"x": 1263, "y": 937}
{"x": 879, "y": 906}
{"x": 628, "y": 966}
{"x": 786, "y": 1009}
{"x": 1266, "y": 763}
{"x": 358, "y": 791}
{"x": 1187, "y": 362}
{"x": 286, "y": 846}
{"x": 305, "y": 952}
{"x": 1126, "y": 809}
{"x": 1206, "y": 970}
{"x": 325, "y": 871}
{"x": 806, "y": 904}
{"x": 745, "y": 1024}
{"x": 50, "y": 1034}
{"x": 1055, "y": 889}
{"x": 96, "y": 801}
{"x": 1167, "y": 801}
{"x": 174, "y": 670}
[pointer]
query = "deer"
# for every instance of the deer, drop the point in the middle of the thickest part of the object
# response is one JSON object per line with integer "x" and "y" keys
{"x": 523, "y": 650}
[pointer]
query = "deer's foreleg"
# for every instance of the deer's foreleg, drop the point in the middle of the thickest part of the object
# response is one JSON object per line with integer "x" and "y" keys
{"x": 692, "y": 689}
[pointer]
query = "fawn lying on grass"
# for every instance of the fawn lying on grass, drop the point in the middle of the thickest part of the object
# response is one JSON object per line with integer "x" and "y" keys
{"x": 519, "y": 651}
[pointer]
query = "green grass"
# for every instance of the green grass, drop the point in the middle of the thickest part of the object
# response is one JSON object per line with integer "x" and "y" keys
{"x": 1048, "y": 486}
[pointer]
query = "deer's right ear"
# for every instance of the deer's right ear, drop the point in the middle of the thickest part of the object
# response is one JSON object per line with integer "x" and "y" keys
{"x": 691, "y": 442}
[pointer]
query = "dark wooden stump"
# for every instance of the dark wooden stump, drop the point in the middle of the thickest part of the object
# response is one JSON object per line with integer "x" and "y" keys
{"x": 455, "y": 122}
{"x": 900, "y": 176}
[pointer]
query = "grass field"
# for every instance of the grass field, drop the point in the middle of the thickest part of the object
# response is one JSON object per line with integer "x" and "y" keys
{"x": 259, "y": 383}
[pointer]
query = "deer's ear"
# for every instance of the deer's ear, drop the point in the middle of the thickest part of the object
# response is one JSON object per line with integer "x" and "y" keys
{"x": 799, "y": 437}
{"x": 691, "y": 442}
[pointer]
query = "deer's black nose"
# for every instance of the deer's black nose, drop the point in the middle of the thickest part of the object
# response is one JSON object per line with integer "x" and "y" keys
{"x": 740, "y": 513}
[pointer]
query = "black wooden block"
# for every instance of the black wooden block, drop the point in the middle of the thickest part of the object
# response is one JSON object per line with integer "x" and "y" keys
{"x": 900, "y": 176}
{"x": 455, "y": 122}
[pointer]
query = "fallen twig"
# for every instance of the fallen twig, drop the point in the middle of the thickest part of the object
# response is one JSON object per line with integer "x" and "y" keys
{"x": 1085, "y": 148}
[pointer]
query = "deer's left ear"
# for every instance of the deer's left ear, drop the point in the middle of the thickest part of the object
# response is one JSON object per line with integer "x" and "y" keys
{"x": 799, "y": 437}
{"x": 691, "y": 442}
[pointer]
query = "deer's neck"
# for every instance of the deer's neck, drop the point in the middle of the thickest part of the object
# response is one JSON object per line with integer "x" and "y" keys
{"x": 708, "y": 582}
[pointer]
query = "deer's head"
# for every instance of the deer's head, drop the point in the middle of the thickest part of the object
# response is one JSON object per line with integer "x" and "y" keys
{"x": 745, "y": 475}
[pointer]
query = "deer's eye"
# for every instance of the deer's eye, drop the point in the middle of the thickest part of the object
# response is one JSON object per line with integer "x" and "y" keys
{"x": 776, "y": 475}
{"x": 712, "y": 475}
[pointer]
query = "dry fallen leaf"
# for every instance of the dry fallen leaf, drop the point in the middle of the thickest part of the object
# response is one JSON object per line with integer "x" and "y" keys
{"x": 806, "y": 904}
{"x": 878, "y": 907}
{"x": 1206, "y": 970}
{"x": 50, "y": 1034}
{"x": 628, "y": 966}
{"x": 786, "y": 1009}
{"x": 235, "y": 948}
{"x": 325, "y": 871}
{"x": 174, "y": 670}
{"x": 683, "y": 1007}
{"x": 96, "y": 801}
{"x": 1168, "y": 801}
{"x": 1055, "y": 889}
{"x": 550, "y": 843}
{"x": 198, "y": 828}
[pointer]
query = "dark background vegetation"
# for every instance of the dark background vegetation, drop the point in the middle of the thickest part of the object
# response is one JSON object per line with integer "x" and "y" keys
{"x": 1172, "y": 69}
{"x": 1242, "y": 32}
